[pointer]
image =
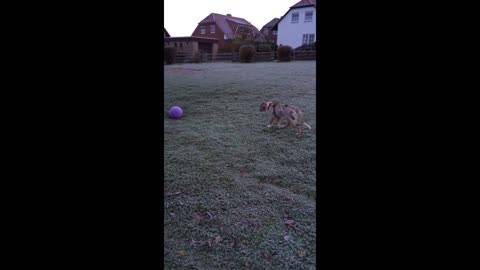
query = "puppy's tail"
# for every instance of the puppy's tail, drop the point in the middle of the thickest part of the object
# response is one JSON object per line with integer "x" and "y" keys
{"x": 307, "y": 125}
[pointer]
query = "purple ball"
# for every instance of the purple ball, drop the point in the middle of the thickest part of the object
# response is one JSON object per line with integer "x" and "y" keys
{"x": 175, "y": 112}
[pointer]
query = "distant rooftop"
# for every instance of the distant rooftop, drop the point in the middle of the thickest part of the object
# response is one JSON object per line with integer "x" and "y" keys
{"x": 222, "y": 22}
{"x": 305, "y": 3}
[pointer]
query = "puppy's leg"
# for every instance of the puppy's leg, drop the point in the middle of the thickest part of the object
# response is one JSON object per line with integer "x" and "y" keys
{"x": 273, "y": 121}
{"x": 299, "y": 131}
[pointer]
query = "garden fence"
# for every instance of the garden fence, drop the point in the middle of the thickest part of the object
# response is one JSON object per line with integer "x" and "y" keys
{"x": 235, "y": 57}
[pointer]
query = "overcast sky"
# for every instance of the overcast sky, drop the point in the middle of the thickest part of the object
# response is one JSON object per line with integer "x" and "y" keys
{"x": 182, "y": 16}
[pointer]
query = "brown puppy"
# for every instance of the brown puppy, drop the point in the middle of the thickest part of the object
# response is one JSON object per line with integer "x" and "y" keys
{"x": 284, "y": 115}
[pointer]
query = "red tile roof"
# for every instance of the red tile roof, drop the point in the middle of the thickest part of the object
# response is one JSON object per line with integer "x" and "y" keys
{"x": 221, "y": 21}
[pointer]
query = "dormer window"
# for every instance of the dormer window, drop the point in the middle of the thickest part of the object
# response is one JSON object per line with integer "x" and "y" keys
{"x": 202, "y": 30}
{"x": 212, "y": 29}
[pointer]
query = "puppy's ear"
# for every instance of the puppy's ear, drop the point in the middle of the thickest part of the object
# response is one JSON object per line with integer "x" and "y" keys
{"x": 268, "y": 105}
{"x": 265, "y": 106}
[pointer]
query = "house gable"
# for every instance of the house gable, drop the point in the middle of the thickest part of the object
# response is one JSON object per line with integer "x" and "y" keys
{"x": 225, "y": 27}
{"x": 268, "y": 32}
{"x": 301, "y": 4}
{"x": 295, "y": 33}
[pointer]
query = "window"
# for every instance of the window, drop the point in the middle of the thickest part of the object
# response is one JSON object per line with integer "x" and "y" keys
{"x": 274, "y": 33}
{"x": 181, "y": 44}
{"x": 308, "y": 16}
{"x": 295, "y": 17}
{"x": 307, "y": 38}
{"x": 202, "y": 30}
{"x": 212, "y": 29}
{"x": 175, "y": 44}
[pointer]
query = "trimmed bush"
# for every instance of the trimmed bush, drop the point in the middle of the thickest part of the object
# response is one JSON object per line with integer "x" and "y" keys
{"x": 169, "y": 54}
{"x": 284, "y": 53}
{"x": 196, "y": 56}
{"x": 247, "y": 54}
{"x": 264, "y": 48}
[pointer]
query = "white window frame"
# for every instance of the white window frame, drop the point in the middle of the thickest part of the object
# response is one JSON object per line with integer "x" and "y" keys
{"x": 298, "y": 17}
{"x": 202, "y": 30}
{"x": 308, "y": 39}
{"x": 212, "y": 29}
{"x": 308, "y": 19}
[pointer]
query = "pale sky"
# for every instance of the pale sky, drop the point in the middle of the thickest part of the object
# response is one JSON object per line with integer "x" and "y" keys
{"x": 182, "y": 16}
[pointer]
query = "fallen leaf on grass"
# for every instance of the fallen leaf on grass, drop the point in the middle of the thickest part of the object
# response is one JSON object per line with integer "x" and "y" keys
{"x": 172, "y": 194}
{"x": 286, "y": 237}
{"x": 289, "y": 222}
{"x": 172, "y": 214}
{"x": 203, "y": 216}
{"x": 197, "y": 218}
{"x": 209, "y": 243}
{"x": 181, "y": 253}
{"x": 266, "y": 256}
{"x": 195, "y": 244}
{"x": 302, "y": 253}
{"x": 218, "y": 239}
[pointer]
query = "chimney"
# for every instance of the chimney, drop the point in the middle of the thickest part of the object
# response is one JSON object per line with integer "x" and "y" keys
{"x": 229, "y": 15}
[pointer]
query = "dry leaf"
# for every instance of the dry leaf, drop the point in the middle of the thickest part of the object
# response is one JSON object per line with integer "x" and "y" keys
{"x": 289, "y": 222}
{"x": 209, "y": 243}
{"x": 197, "y": 218}
{"x": 172, "y": 214}
{"x": 181, "y": 252}
{"x": 195, "y": 244}
{"x": 218, "y": 239}
{"x": 266, "y": 255}
{"x": 302, "y": 253}
{"x": 286, "y": 237}
{"x": 173, "y": 194}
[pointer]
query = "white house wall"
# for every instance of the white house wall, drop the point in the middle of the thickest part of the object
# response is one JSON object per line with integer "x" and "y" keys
{"x": 291, "y": 34}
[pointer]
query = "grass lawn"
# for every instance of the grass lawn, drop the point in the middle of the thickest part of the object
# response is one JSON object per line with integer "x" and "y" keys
{"x": 237, "y": 194}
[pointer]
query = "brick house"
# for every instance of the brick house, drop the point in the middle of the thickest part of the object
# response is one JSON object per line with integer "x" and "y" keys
{"x": 267, "y": 31}
{"x": 187, "y": 45}
{"x": 225, "y": 28}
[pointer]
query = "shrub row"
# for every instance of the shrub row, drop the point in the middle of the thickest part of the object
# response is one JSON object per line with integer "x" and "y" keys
{"x": 284, "y": 53}
{"x": 247, "y": 53}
